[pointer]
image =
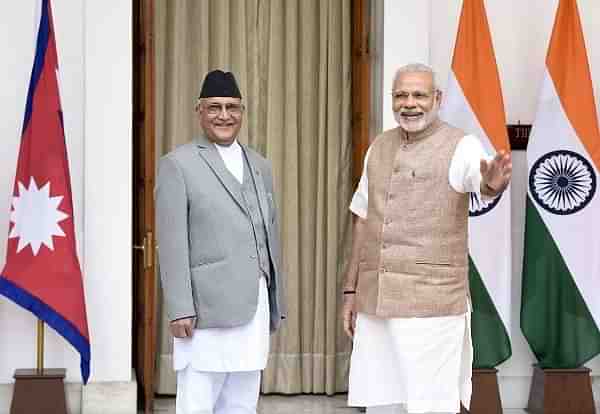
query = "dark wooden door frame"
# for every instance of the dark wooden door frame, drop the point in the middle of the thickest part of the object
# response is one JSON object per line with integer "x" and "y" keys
{"x": 144, "y": 330}
{"x": 361, "y": 84}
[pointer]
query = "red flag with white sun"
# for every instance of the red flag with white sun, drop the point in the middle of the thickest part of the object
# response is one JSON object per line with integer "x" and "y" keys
{"x": 42, "y": 272}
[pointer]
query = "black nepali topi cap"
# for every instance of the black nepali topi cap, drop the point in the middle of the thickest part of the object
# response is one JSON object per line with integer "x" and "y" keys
{"x": 219, "y": 83}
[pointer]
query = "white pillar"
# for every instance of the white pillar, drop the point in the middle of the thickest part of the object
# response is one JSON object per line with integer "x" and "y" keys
{"x": 108, "y": 195}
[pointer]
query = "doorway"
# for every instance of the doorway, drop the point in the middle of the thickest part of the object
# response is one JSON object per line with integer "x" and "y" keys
{"x": 144, "y": 331}
{"x": 144, "y": 272}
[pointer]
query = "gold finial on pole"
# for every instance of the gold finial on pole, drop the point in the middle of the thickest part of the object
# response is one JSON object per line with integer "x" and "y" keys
{"x": 40, "y": 347}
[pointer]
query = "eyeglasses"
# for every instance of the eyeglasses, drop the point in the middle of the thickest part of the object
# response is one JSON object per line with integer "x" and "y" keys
{"x": 214, "y": 109}
{"x": 417, "y": 95}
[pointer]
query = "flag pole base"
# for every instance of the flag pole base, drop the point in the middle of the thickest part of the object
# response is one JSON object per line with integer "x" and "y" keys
{"x": 36, "y": 392}
{"x": 561, "y": 391}
{"x": 486, "y": 394}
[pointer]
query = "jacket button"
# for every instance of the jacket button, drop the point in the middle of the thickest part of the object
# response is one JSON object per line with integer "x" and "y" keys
{"x": 253, "y": 256}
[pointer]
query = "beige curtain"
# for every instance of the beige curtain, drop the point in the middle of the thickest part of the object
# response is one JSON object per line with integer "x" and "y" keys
{"x": 292, "y": 61}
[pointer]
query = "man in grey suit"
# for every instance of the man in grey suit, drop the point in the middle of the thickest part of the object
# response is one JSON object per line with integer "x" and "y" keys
{"x": 219, "y": 257}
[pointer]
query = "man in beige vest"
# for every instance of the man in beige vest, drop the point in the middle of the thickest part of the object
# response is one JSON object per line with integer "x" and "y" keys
{"x": 406, "y": 294}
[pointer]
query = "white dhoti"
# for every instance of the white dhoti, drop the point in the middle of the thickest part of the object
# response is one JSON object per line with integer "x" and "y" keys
{"x": 422, "y": 364}
{"x": 218, "y": 369}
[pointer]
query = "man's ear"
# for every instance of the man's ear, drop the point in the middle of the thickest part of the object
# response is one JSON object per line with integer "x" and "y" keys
{"x": 438, "y": 97}
{"x": 198, "y": 105}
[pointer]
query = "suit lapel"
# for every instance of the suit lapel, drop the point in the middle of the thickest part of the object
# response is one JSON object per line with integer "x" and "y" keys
{"x": 261, "y": 191}
{"x": 210, "y": 154}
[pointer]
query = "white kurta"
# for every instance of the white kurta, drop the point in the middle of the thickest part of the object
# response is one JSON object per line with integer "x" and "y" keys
{"x": 421, "y": 363}
{"x": 242, "y": 348}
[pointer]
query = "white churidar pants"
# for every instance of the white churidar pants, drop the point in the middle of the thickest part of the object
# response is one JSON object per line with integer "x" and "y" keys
{"x": 390, "y": 409}
{"x": 200, "y": 392}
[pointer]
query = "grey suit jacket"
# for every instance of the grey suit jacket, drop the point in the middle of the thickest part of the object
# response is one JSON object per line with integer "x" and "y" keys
{"x": 207, "y": 252}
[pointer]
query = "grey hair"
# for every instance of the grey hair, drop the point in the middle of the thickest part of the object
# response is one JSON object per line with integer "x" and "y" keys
{"x": 416, "y": 67}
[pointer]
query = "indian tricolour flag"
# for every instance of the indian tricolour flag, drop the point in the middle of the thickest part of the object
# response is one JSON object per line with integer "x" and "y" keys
{"x": 474, "y": 103}
{"x": 560, "y": 312}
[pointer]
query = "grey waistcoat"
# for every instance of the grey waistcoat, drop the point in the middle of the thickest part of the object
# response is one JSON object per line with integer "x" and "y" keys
{"x": 249, "y": 194}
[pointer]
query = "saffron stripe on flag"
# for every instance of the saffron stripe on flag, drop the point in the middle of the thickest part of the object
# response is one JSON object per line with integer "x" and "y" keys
{"x": 474, "y": 66}
{"x": 572, "y": 79}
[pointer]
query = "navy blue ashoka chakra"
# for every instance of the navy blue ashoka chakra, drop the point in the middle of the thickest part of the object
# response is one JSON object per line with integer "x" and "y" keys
{"x": 562, "y": 182}
{"x": 478, "y": 206}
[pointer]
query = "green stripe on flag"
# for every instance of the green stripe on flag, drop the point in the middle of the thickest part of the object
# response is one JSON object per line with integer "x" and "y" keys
{"x": 491, "y": 344}
{"x": 554, "y": 317}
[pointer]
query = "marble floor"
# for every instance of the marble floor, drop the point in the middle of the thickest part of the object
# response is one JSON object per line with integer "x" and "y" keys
{"x": 297, "y": 404}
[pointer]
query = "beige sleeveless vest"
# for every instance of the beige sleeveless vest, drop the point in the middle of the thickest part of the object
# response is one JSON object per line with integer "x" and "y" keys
{"x": 414, "y": 261}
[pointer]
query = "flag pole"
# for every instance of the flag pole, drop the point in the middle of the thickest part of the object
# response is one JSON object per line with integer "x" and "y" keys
{"x": 40, "y": 347}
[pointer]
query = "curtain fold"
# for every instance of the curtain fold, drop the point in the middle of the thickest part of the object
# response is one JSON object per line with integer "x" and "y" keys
{"x": 292, "y": 61}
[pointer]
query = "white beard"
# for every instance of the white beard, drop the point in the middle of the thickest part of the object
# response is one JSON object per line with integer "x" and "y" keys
{"x": 417, "y": 125}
